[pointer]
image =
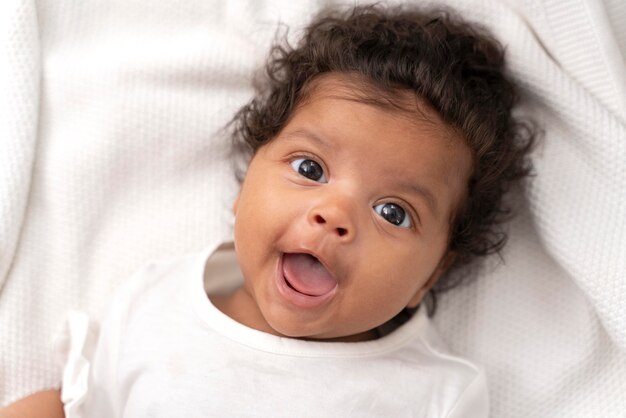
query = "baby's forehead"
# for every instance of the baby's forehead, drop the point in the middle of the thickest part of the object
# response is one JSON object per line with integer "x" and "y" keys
{"x": 399, "y": 102}
{"x": 420, "y": 137}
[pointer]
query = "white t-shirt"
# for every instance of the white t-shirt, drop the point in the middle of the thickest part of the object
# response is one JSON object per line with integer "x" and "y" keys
{"x": 163, "y": 350}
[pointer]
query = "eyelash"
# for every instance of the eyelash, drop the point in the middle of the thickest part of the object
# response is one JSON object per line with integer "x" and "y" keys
{"x": 407, "y": 209}
{"x": 306, "y": 156}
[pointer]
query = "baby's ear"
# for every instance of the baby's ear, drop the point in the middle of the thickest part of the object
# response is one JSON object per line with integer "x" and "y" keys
{"x": 443, "y": 266}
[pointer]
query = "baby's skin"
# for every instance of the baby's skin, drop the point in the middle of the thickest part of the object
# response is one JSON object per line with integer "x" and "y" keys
{"x": 344, "y": 217}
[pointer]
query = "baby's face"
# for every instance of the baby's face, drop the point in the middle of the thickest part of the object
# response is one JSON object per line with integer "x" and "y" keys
{"x": 343, "y": 218}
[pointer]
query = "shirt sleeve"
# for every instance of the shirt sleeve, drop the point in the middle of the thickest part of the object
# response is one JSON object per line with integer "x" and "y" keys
{"x": 90, "y": 352}
{"x": 89, "y": 373}
{"x": 76, "y": 349}
{"x": 474, "y": 401}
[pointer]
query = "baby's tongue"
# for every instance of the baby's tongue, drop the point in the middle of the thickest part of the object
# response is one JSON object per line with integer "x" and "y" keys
{"x": 307, "y": 275}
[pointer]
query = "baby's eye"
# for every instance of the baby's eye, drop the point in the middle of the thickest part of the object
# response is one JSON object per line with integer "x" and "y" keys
{"x": 309, "y": 169}
{"x": 394, "y": 214}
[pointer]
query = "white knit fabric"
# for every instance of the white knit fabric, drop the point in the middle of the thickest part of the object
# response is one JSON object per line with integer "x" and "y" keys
{"x": 111, "y": 154}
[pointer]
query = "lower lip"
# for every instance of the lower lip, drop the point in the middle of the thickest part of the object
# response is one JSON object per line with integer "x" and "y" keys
{"x": 296, "y": 298}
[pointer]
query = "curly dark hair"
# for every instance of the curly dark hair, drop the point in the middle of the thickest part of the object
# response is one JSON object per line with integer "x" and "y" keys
{"x": 455, "y": 67}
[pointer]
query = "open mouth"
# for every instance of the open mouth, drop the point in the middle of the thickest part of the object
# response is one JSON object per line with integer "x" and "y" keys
{"x": 305, "y": 280}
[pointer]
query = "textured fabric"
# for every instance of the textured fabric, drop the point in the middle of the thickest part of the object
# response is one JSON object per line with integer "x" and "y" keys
{"x": 163, "y": 350}
{"x": 112, "y": 155}
{"x": 19, "y": 101}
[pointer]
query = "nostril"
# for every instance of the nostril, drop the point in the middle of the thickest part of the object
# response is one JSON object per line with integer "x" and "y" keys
{"x": 319, "y": 219}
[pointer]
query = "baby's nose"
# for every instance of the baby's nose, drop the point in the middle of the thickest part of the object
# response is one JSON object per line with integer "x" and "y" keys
{"x": 336, "y": 219}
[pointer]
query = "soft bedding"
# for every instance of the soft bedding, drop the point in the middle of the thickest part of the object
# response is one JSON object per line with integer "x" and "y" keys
{"x": 112, "y": 153}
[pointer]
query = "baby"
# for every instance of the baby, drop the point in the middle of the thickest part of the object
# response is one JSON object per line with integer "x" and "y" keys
{"x": 381, "y": 148}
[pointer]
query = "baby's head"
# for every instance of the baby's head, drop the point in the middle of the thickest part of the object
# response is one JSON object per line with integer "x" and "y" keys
{"x": 381, "y": 146}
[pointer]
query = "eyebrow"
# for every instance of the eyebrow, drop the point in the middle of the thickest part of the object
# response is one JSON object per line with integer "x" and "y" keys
{"x": 310, "y": 135}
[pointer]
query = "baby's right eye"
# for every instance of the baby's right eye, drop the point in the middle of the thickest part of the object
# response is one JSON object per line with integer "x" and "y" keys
{"x": 309, "y": 169}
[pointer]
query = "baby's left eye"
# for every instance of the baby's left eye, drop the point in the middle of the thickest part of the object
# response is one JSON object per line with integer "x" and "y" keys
{"x": 394, "y": 214}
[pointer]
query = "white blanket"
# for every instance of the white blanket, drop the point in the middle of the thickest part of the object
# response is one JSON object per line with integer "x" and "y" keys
{"x": 111, "y": 154}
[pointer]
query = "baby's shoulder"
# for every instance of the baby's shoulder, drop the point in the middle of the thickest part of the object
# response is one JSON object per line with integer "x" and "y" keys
{"x": 454, "y": 380}
{"x": 427, "y": 350}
